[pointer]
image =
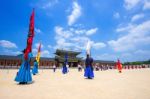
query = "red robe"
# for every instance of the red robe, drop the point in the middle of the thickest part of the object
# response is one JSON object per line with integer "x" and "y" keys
{"x": 119, "y": 66}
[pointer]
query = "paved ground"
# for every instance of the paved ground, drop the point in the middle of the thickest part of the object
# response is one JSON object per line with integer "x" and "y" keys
{"x": 131, "y": 84}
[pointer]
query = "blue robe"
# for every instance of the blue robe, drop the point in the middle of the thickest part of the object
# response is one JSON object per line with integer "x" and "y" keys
{"x": 89, "y": 69}
{"x": 24, "y": 74}
{"x": 35, "y": 68}
{"x": 64, "y": 69}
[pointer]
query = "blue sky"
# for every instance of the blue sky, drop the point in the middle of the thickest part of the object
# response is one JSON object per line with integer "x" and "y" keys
{"x": 115, "y": 29}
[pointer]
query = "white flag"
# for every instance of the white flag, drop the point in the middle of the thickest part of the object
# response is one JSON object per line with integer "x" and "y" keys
{"x": 88, "y": 48}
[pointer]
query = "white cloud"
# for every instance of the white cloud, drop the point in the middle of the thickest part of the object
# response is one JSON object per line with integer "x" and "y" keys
{"x": 75, "y": 14}
{"x": 48, "y": 4}
{"x": 91, "y": 31}
{"x": 37, "y": 30}
{"x": 106, "y": 56}
{"x": 137, "y": 17}
{"x": 116, "y": 15}
{"x": 17, "y": 52}
{"x": 62, "y": 33}
{"x": 34, "y": 51}
{"x": 45, "y": 53}
{"x": 61, "y": 43}
{"x": 129, "y": 4}
{"x": 62, "y": 37}
{"x": 139, "y": 55}
{"x": 80, "y": 42}
{"x": 87, "y": 32}
{"x": 98, "y": 45}
{"x": 146, "y": 5}
{"x": 139, "y": 35}
{"x": 7, "y": 44}
{"x": 14, "y": 53}
{"x": 10, "y": 52}
{"x": 122, "y": 29}
{"x": 143, "y": 52}
{"x": 80, "y": 38}
{"x": 74, "y": 38}
{"x": 82, "y": 31}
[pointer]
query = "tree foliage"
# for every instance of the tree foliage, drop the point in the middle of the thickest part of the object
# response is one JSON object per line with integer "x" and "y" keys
{"x": 137, "y": 62}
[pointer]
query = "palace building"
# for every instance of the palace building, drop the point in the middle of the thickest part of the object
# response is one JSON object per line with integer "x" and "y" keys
{"x": 7, "y": 61}
{"x": 73, "y": 58}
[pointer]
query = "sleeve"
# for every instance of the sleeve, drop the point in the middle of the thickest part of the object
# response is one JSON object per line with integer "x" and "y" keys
{"x": 29, "y": 56}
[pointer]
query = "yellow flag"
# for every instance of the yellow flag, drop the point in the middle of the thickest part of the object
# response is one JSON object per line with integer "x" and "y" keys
{"x": 38, "y": 54}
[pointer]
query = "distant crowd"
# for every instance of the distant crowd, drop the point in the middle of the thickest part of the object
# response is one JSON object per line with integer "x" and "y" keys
{"x": 106, "y": 67}
{"x": 97, "y": 67}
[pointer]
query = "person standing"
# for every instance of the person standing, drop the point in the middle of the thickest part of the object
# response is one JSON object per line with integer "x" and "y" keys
{"x": 79, "y": 67}
{"x": 37, "y": 61}
{"x": 64, "y": 69}
{"x": 96, "y": 68}
{"x": 89, "y": 68}
{"x": 54, "y": 68}
{"x": 88, "y": 73}
{"x": 24, "y": 75}
{"x": 65, "y": 65}
{"x": 119, "y": 66}
{"x": 35, "y": 67}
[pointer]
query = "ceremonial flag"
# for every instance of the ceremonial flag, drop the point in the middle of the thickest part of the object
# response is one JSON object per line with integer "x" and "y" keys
{"x": 88, "y": 48}
{"x": 31, "y": 26}
{"x": 30, "y": 36}
{"x": 38, "y": 54}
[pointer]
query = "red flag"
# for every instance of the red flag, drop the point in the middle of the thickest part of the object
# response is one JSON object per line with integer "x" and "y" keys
{"x": 31, "y": 26}
{"x": 30, "y": 36}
